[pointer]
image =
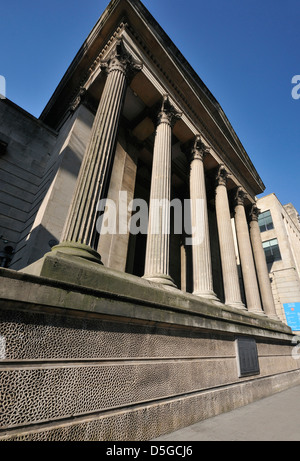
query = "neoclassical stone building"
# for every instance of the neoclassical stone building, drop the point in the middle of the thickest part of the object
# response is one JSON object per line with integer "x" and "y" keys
{"x": 136, "y": 333}
{"x": 154, "y": 132}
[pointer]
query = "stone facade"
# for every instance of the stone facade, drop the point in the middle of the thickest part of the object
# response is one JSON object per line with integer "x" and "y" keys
{"x": 129, "y": 335}
{"x": 99, "y": 355}
{"x": 26, "y": 169}
{"x": 285, "y": 270}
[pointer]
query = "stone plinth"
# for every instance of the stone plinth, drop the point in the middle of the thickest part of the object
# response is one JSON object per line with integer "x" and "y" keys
{"x": 90, "y": 353}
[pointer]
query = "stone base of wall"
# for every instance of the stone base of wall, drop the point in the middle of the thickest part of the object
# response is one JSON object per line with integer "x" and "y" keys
{"x": 145, "y": 422}
{"x": 100, "y": 355}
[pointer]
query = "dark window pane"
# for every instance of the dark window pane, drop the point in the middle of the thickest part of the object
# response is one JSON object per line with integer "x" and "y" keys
{"x": 272, "y": 251}
{"x": 276, "y": 253}
{"x": 265, "y": 221}
{"x": 269, "y": 255}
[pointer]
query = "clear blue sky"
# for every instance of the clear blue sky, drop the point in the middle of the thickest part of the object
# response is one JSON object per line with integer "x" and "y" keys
{"x": 245, "y": 51}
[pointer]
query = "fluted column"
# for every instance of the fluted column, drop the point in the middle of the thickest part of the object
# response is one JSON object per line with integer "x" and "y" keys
{"x": 227, "y": 250}
{"x": 202, "y": 267}
{"x": 158, "y": 239}
{"x": 261, "y": 266}
{"x": 253, "y": 301}
{"x": 79, "y": 236}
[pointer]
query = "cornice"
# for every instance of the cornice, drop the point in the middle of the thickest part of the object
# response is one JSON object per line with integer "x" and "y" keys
{"x": 92, "y": 62}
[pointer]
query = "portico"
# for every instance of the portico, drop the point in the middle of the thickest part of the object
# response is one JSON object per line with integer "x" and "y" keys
{"x": 174, "y": 155}
{"x": 177, "y": 150}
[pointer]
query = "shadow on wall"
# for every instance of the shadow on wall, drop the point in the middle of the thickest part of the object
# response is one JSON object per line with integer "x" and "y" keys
{"x": 270, "y": 266}
{"x": 39, "y": 242}
{"x": 56, "y": 192}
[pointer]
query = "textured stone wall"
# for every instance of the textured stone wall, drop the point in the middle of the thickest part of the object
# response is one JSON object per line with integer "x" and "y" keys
{"x": 80, "y": 375}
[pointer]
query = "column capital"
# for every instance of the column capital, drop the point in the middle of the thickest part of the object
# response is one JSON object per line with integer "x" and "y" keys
{"x": 168, "y": 113}
{"x": 222, "y": 176}
{"x": 239, "y": 198}
{"x": 254, "y": 213}
{"x": 82, "y": 97}
{"x": 198, "y": 149}
{"x": 121, "y": 60}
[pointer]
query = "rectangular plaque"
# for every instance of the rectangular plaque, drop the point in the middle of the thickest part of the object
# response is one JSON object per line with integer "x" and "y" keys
{"x": 247, "y": 357}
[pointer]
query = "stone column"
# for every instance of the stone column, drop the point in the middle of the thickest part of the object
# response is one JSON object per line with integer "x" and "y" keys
{"x": 246, "y": 256}
{"x": 158, "y": 239}
{"x": 261, "y": 266}
{"x": 227, "y": 250}
{"x": 79, "y": 236}
{"x": 202, "y": 267}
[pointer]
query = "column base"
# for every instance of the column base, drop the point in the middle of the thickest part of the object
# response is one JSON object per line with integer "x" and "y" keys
{"x": 257, "y": 312}
{"x": 206, "y": 294}
{"x": 161, "y": 279}
{"x": 237, "y": 305}
{"x": 274, "y": 317}
{"x": 78, "y": 250}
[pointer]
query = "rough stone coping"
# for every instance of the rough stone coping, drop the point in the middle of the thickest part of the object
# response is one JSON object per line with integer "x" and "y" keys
{"x": 82, "y": 286}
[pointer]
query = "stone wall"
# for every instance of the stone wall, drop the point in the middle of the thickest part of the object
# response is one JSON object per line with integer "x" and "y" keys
{"x": 24, "y": 172}
{"x": 58, "y": 186}
{"x": 121, "y": 359}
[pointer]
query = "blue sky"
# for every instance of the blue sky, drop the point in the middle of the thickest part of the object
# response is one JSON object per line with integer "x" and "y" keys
{"x": 245, "y": 51}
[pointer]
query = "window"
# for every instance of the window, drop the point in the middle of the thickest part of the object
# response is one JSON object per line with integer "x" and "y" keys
{"x": 265, "y": 221}
{"x": 271, "y": 249}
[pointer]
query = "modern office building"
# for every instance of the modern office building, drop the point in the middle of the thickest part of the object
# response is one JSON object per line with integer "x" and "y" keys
{"x": 280, "y": 231}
